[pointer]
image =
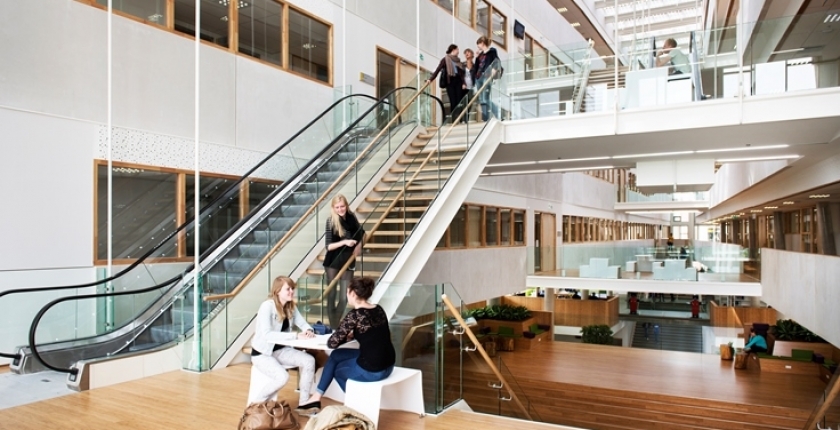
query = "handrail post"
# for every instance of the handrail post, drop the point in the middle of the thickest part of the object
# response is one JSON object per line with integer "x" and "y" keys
{"x": 484, "y": 355}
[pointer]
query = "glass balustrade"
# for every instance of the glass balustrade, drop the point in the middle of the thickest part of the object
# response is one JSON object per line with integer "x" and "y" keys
{"x": 706, "y": 65}
{"x": 702, "y": 261}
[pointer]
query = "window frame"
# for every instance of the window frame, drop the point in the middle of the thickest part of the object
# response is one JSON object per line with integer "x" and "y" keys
{"x": 233, "y": 34}
{"x": 482, "y": 227}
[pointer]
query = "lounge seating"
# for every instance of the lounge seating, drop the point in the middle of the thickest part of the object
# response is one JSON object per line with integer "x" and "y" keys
{"x": 600, "y": 268}
{"x": 675, "y": 270}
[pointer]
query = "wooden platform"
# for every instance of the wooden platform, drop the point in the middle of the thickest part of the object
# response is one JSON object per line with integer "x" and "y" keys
{"x": 586, "y": 386}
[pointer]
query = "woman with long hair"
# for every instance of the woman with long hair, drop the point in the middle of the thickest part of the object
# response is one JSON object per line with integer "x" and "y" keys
{"x": 452, "y": 79}
{"x": 343, "y": 236}
{"x": 367, "y": 323}
{"x": 275, "y": 319}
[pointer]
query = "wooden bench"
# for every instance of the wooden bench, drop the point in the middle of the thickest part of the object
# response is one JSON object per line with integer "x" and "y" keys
{"x": 789, "y": 366}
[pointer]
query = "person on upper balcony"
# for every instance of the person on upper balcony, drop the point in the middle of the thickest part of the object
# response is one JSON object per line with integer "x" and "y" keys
{"x": 673, "y": 58}
{"x": 452, "y": 79}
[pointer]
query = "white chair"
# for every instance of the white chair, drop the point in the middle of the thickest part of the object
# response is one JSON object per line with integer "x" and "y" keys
{"x": 402, "y": 391}
{"x": 258, "y": 378}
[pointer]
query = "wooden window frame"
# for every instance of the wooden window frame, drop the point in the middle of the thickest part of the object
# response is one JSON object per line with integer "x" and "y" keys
{"x": 233, "y": 34}
{"x": 482, "y": 231}
{"x": 490, "y": 26}
{"x": 180, "y": 205}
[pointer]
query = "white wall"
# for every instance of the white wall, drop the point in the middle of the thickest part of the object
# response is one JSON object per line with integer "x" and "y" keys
{"x": 804, "y": 288}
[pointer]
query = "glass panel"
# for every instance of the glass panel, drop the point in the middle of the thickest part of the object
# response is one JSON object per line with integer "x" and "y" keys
{"x": 259, "y": 191}
{"x": 214, "y": 19}
{"x": 505, "y": 226}
{"x": 491, "y": 226}
{"x": 458, "y": 229}
{"x": 474, "y": 226}
{"x": 519, "y": 228}
{"x": 226, "y": 211}
{"x": 482, "y": 19}
{"x": 261, "y": 31}
{"x": 499, "y": 29}
{"x": 143, "y": 207}
{"x": 309, "y": 46}
{"x": 446, "y": 4}
{"x": 465, "y": 11}
{"x": 153, "y": 11}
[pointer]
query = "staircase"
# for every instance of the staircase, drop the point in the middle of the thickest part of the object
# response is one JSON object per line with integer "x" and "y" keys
{"x": 600, "y": 77}
{"x": 397, "y": 204}
{"x": 671, "y": 337}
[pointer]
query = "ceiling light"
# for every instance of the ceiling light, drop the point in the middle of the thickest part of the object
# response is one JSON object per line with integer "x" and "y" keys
{"x": 309, "y": 46}
{"x": 518, "y": 163}
{"x": 755, "y": 211}
{"x": 819, "y": 196}
{"x": 571, "y": 169}
{"x": 735, "y": 160}
{"x": 832, "y": 17}
{"x": 572, "y": 159}
{"x": 655, "y": 154}
{"x": 562, "y": 9}
{"x": 742, "y": 213}
{"x": 788, "y": 203}
{"x": 518, "y": 172}
{"x": 788, "y": 51}
{"x": 575, "y": 24}
{"x": 498, "y": 32}
{"x": 241, "y": 3}
{"x": 746, "y": 148}
{"x": 771, "y": 207}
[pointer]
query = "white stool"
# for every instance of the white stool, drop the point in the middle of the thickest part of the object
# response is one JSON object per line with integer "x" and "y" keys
{"x": 403, "y": 391}
{"x": 257, "y": 379}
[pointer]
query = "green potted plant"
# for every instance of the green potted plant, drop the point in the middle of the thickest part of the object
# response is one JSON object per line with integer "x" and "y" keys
{"x": 600, "y": 334}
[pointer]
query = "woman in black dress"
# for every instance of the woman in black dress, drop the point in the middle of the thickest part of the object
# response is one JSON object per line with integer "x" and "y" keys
{"x": 343, "y": 237}
{"x": 452, "y": 79}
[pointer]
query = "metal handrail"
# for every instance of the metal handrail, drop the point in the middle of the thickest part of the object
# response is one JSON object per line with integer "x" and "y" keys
{"x": 320, "y": 200}
{"x": 332, "y": 285}
{"x": 48, "y": 306}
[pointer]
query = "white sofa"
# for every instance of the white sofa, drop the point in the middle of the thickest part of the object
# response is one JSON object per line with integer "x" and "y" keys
{"x": 600, "y": 268}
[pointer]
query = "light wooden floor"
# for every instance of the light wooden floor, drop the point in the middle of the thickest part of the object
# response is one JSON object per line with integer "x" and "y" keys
{"x": 215, "y": 400}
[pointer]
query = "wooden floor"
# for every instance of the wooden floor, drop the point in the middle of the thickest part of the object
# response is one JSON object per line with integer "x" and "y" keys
{"x": 215, "y": 400}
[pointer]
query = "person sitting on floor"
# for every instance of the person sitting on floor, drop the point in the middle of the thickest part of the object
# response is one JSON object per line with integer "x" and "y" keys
{"x": 757, "y": 343}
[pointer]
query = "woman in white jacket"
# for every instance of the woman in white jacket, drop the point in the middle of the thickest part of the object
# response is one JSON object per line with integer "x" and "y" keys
{"x": 275, "y": 319}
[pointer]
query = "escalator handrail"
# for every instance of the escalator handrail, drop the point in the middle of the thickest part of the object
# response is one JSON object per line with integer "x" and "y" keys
{"x": 230, "y": 189}
{"x": 33, "y": 328}
{"x": 238, "y": 288}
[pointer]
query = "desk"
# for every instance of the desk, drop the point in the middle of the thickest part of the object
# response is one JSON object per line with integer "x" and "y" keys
{"x": 319, "y": 342}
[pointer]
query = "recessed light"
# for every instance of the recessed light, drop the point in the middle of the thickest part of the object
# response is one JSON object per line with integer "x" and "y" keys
{"x": 499, "y": 32}
{"x": 788, "y": 203}
{"x": 309, "y": 46}
{"x": 655, "y": 154}
{"x": 518, "y": 172}
{"x": 571, "y": 169}
{"x": 572, "y": 159}
{"x": 562, "y": 9}
{"x": 755, "y": 211}
{"x": 771, "y": 207}
{"x": 819, "y": 196}
{"x": 575, "y": 24}
{"x": 517, "y": 163}
{"x": 735, "y": 160}
{"x": 751, "y": 148}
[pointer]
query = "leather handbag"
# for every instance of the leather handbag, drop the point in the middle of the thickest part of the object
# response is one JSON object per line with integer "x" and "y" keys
{"x": 269, "y": 415}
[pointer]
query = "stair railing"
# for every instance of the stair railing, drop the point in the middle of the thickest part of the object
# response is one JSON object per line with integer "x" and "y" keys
{"x": 353, "y": 165}
{"x": 369, "y": 234}
{"x": 580, "y": 89}
{"x": 477, "y": 346}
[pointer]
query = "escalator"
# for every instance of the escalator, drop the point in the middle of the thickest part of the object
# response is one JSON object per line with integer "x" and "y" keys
{"x": 152, "y": 303}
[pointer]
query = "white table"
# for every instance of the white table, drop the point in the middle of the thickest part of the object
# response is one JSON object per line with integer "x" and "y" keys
{"x": 319, "y": 342}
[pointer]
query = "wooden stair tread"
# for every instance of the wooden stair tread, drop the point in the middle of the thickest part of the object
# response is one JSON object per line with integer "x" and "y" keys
{"x": 392, "y": 179}
{"x": 427, "y": 168}
{"x": 410, "y": 197}
{"x": 398, "y": 233}
{"x": 400, "y": 221}
{"x": 383, "y": 245}
{"x": 445, "y": 159}
{"x": 394, "y": 209}
{"x": 410, "y": 188}
{"x": 371, "y": 273}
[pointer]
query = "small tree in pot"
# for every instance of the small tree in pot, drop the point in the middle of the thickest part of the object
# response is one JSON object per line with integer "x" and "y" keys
{"x": 600, "y": 334}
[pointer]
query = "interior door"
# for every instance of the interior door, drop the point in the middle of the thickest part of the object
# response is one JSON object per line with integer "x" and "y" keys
{"x": 548, "y": 241}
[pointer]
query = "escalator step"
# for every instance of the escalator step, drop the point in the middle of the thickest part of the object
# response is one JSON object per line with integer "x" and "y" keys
{"x": 240, "y": 264}
{"x": 254, "y": 250}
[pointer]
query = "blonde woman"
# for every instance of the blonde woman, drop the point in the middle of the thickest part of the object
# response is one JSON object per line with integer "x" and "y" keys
{"x": 275, "y": 319}
{"x": 343, "y": 236}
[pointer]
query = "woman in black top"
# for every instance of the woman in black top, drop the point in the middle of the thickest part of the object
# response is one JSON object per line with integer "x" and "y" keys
{"x": 374, "y": 360}
{"x": 343, "y": 236}
{"x": 485, "y": 69}
{"x": 452, "y": 79}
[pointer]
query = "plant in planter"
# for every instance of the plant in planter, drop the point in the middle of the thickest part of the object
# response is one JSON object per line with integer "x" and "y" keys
{"x": 792, "y": 331}
{"x": 500, "y": 312}
{"x": 600, "y": 334}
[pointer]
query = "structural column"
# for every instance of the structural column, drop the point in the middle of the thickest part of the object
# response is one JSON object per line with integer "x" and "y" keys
{"x": 752, "y": 224}
{"x": 826, "y": 227}
{"x": 778, "y": 230}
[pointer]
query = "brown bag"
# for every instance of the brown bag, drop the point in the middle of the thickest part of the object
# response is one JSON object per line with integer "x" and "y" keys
{"x": 269, "y": 415}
